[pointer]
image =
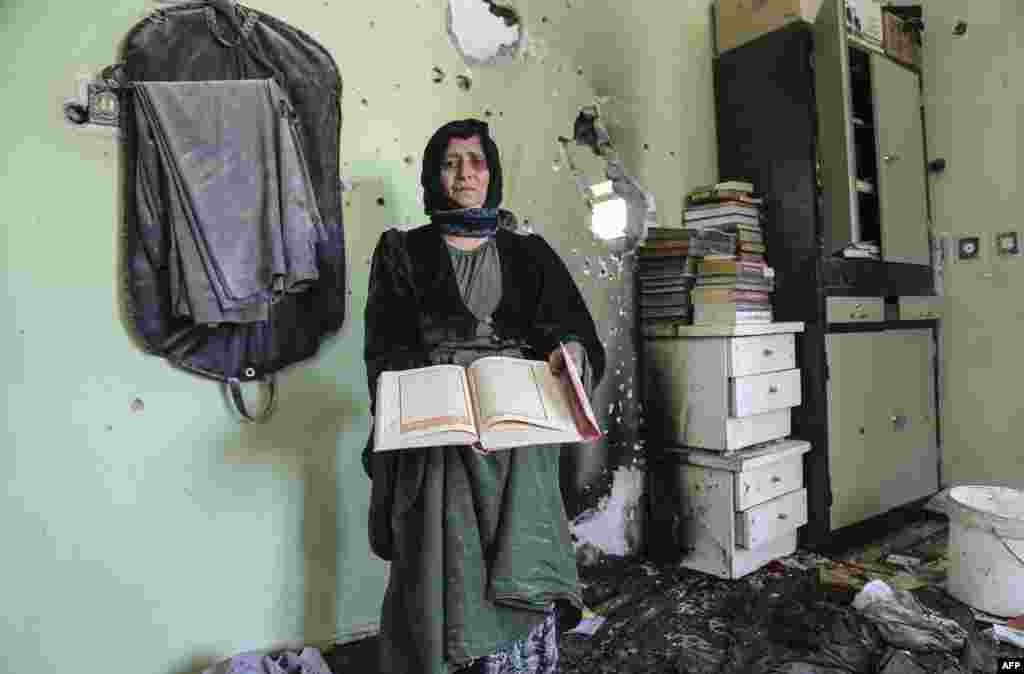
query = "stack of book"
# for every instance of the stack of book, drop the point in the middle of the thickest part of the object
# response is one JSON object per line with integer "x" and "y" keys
{"x": 734, "y": 283}
{"x": 666, "y": 270}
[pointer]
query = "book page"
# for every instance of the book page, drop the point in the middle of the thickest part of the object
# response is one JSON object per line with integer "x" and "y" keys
{"x": 432, "y": 399}
{"x": 586, "y": 422}
{"x": 513, "y": 390}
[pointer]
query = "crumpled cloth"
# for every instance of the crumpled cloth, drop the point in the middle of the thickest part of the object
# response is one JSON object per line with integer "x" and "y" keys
{"x": 222, "y": 174}
{"x": 308, "y": 661}
{"x": 906, "y": 623}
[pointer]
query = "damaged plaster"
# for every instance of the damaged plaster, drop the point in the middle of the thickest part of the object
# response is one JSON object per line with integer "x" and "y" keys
{"x": 621, "y": 210}
{"x": 484, "y": 31}
{"x": 615, "y": 525}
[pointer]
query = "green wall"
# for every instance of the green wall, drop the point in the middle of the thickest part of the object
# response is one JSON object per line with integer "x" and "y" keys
{"x": 165, "y": 537}
{"x": 974, "y": 98}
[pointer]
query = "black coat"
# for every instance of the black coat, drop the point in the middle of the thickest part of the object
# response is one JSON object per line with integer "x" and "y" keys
{"x": 479, "y": 545}
{"x": 413, "y": 304}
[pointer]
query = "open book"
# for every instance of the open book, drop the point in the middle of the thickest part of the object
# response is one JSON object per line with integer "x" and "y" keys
{"x": 497, "y": 401}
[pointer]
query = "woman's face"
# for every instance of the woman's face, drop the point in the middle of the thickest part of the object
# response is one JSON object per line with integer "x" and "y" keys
{"x": 464, "y": 173}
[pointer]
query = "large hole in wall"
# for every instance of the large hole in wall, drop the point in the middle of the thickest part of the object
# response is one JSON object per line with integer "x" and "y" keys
{"x": 484, "y": 31}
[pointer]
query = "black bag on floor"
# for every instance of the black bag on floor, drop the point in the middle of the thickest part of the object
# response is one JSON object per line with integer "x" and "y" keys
{"x": 221, "y": 40}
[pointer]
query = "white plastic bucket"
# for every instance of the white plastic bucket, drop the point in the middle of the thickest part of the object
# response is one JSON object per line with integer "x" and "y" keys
{"x": 986, "y": 548}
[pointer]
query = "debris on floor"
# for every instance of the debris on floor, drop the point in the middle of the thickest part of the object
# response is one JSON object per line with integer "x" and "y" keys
{"x": 795, "y": 615}
{"x": 904, "y": 623}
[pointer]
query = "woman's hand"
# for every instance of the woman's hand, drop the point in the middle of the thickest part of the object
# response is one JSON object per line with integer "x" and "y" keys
{"x": 480, "y": 449}
{"x": 557, "y": 363}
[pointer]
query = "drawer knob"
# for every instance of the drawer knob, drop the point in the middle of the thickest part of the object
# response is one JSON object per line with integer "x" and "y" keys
{"x": 776, "y": 478}
{"x": 783, "y": 516}
{"x": 768, "y": 353}
{"x": 773, "y": 389}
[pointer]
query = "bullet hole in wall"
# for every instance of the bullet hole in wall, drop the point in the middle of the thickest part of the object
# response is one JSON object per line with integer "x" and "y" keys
{"x": 672, "y": 153}
{"x": 463, "y": 82}
{"x": 646, "y": 147}
{"x": 364, "y": 102}
{"x": 488, "y": 113}
{"x": 373, "y": 23}
{"x": 380, "y": 201}
{"x": 408, "y": 159}
{"x": 137, "y": 405}
{"x": 579, "y": 71}
{"x": 543, "y": 19}
{"x": 437, "y": 75}
{"x": 960, "y": 28}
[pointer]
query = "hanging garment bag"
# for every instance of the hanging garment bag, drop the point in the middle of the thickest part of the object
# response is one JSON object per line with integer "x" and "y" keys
{"x": 234, "y": 248}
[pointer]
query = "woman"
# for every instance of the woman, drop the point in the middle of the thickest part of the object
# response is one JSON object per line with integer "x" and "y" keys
{"x": 478, "y": 541}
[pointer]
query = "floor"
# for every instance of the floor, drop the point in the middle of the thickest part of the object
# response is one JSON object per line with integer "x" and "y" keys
{"x": 790, "y": 617}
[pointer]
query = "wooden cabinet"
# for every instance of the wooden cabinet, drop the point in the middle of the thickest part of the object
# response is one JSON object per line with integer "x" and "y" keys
{"x": 730, "y": 514}
{"x": 830, "y": 133}
{"x": 721, "y": 387}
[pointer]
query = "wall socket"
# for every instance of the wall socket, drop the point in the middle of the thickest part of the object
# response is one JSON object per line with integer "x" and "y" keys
{"x": 1007, "y": 243}
{"x": 968, "y": 248}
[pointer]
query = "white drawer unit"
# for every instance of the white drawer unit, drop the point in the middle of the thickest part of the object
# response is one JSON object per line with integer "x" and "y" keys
{"x": 722, "y": 387}
{"x": 761, "y": 353}
{"x": 854, "y": 309}
{"x": 768, "y": 521}
{"x": 739, "y": 511}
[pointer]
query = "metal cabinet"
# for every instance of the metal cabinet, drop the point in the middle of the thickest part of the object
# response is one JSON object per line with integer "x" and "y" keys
{"x": 830, "y": 132}
{"x": 882, "y": 451}
{"x": 871, "y": 151}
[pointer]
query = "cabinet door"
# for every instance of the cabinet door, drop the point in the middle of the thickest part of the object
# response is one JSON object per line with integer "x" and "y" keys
{"x": 901, "y": 165}
{"x": 835, "y": 126}
{"x": 881, "y": 422}
{"x": 852, "y": 425}
{"x": 910, "y": 449}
